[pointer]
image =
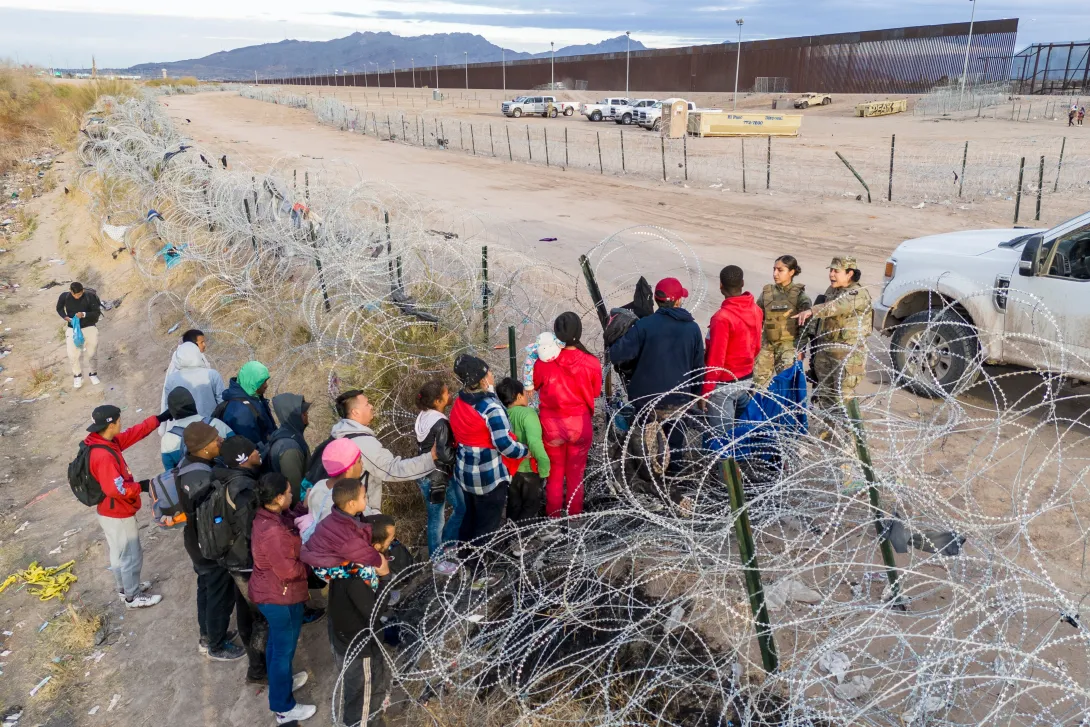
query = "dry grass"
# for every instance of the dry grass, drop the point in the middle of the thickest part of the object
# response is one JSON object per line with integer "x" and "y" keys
{"x": 184, "y": 81}
{"x": 66, "y": 641}
{"x": 28, "y": 221}
{"x": 41, "y": 378}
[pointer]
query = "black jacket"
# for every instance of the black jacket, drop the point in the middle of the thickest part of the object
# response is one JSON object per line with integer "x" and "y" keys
{"x": 446, "y": 451}
{"x": 240, "y": 492}
{"x": 192, "y": 488}
{"x": 350, "y": 607}
{"x": 68, "y": 307}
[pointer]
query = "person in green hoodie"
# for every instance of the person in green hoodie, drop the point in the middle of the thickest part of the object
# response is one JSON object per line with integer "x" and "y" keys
{"x": 524, "y": 500}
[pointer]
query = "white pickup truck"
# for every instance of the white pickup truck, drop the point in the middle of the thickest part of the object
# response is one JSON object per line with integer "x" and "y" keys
{"x": 537, "y": 106}
{"x": 1013, "y": 296}
{"x": 628, "y": 112}
{"x": 651, "y": 117}
{"x": 601, "y": 109}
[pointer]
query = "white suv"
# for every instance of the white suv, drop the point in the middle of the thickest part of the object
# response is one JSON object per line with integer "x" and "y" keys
{"x": 537, "y": 106}
{"x": 1007, "y": 296}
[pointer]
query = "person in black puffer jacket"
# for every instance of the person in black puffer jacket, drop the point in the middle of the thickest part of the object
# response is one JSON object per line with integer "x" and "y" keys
{"x": 433, "y": 429}
{"x": 243, "y": 466}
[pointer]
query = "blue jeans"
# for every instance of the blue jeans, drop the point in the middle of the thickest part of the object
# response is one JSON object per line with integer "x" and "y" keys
{"x": 726, "y": 403}
{"x": 171, "y": 459}
{"x": 438, "y": 533}
{"x": 285, "y": 622}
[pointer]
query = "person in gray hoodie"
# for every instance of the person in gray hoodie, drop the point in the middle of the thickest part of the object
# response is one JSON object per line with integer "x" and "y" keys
{"x": 189, "y": 368}
{"x": 379, "y": 464}
{"x": 288, "y": 451}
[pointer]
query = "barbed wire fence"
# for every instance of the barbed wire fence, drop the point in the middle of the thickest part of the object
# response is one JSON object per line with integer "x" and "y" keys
{"x": 908, "y": 170}
{"x": 647, "y": 609}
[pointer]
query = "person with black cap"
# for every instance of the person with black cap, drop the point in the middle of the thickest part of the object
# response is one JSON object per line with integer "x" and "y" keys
{"x": 215, "y": 588}
{"x": 667, "y": 349}
{"x": 568, "y": 387}
{"x": 483, "y": 433}
{"x": 242, "y": 467}
{"x": 117, "y": 511}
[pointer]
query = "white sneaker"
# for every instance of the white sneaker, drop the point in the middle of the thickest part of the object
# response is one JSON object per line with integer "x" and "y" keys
{"x": 144, "y": 587}
{"x": 445, "y": 568}
{"x": 299, "y": 680}
{"x": 297, "y": 714}
{"x": 77, "y": 381}
{"x": 143, "y": 601}
{"x": 94, "y": 380}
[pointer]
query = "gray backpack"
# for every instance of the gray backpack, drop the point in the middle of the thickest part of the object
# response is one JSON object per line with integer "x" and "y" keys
{"x": 166, "y": 498}
{"x": 179, "y": 432}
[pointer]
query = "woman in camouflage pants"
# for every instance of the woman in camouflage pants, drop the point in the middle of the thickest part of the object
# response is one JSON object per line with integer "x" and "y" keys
{"x": 781, "y": 301}
{"x": 840, "y": 352}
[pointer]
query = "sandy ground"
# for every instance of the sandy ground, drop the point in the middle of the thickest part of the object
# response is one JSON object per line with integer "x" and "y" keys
{"x": 153, "y": 662}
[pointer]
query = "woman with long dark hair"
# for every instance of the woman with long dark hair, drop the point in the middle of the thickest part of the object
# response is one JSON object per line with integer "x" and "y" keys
{"x": 567, "y": 387}
{"x": 781, "y": 300}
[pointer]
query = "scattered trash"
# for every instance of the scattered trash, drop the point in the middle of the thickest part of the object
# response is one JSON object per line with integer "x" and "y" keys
{"x": 5, "y": 652}
{"x": 22, "y": 527}
{"x": 41, "y": 684}
{"x": 836, "y": 664}
{"x": 778, "y": 594}
{"x": 547, "y": 239}
{"x": 113, "y": 702}
{"x": 50, "y": 284}
{"x": 928, "y": 704}
{"x": 854, "y": 688}
{"x": 42, "y": 627}
{"x": 12, "y": 716}
{"x": 49, "y": 583}
{"x": 173, "y": 328}
{"x": 70, "y": 533}
{"x": 93, "y": 711}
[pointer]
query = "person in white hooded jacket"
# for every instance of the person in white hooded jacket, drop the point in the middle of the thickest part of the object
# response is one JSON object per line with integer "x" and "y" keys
{"x": 190, "y": 370}
{"x": 379, "y": 464}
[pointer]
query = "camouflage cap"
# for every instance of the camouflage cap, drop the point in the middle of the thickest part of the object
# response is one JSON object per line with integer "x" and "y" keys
{"x": 843, "y": 262}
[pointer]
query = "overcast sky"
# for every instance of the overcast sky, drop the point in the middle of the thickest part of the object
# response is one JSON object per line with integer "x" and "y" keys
{"x": 121, "y": 33}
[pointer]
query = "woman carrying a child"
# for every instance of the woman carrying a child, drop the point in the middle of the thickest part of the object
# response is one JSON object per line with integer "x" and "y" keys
{"x": 567, "y": 388}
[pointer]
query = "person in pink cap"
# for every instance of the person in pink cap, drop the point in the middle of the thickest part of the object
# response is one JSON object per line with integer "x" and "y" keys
{"x": 342, "y": 460}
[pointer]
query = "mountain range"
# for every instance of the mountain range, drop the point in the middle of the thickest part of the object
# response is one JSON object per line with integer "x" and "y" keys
{"x": 357, "y": 53}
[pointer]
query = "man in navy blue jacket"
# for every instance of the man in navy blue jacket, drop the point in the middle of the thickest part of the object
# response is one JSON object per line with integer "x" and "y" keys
{"x": 668, "y": 350}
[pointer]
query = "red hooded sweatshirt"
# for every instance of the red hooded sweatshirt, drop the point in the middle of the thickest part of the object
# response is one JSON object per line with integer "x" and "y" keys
{"x": 734, "y": 338}
{"x": 569, "y": 384}
{"x": 113, "y": 474}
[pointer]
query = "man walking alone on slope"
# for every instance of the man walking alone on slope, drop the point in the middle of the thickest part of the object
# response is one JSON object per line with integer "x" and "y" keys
{"x": 80, "y": 308}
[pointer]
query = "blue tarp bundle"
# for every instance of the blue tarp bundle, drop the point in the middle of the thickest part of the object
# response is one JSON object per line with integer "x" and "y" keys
{"x": 770, "y": 415}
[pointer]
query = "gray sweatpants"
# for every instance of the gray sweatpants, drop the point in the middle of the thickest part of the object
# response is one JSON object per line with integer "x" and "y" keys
{"x": 126, "y": 555}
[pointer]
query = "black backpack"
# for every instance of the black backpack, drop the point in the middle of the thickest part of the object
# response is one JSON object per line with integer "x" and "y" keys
{"x": 221, "y": 409}
{"x": 215, "y": 534}
{"x": 84, "y": 485}
{"x": 316, "y": 472}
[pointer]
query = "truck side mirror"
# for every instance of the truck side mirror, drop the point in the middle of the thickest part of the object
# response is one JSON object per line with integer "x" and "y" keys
{"x": 1028, "y": 265}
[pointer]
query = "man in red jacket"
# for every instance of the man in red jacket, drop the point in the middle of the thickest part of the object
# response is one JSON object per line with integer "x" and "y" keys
{"x": 734, "y": 339}
{"x": 117, "y": 512}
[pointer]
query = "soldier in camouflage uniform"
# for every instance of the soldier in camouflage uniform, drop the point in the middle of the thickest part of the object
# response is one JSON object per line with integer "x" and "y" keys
{"x": 840, "y": 353}
{"x": 781, "y": 302}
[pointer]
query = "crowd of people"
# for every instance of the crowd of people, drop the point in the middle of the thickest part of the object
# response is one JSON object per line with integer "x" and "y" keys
{"x": 267, "y": 520}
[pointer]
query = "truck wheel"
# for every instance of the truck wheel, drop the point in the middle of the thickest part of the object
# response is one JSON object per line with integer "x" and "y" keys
{"x": 826, "y": 101}
{"x": 626, "y": 119}
{"x": 517, "y": 113}
{"x": 655, "y": 126}
{"x": 596, "y": 116}
{"x": 934, "y": 353}
{"x": 570, "y": 111}
{"x": 804, "y": 105}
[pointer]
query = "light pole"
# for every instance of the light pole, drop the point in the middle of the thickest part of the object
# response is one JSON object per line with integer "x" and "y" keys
{"x": 467, "y": 68}
{"x": 965, "y": 68}
{"x": 378, "y": 77}
{"x": 393, "y": 72}
{"x": 552, "y": 67}
{"x": 627, "y": 60}
{"x": 436, "y": 73}
{"x": 413, "y": 62}
{"x": 738, "y": 63}
{"x": 503, "y": 65}
{"x": 365, "y": 75}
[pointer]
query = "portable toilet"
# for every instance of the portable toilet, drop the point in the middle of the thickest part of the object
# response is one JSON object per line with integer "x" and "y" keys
{"x": 677, "y": 123}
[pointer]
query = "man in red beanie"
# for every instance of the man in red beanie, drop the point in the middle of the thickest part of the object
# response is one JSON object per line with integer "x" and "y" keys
{"x": 667, "y": 349}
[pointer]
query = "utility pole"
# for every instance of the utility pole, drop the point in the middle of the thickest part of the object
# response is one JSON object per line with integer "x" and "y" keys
{"x": 413, "y": 62}
{"x": 738, "y": 63}
{"x": 503, "y": 64}
{"x": 393, "y": 72}
{"x": 552, "y": 67}
{"x": 467, "y": 69}
{"x": 627, "y": 60}
{"x": 437, "y": 73}
{"x": 965, "y": 68}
